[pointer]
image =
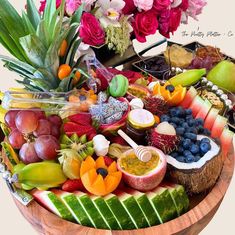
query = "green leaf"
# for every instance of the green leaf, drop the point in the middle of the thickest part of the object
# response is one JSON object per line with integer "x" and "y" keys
{"x": 76, "y": 18}
{"x": 33, "y": 14}
{"x": 65, "y": 84}
{"x": 43, "y": 33}
{"x": 53, "y": 25}
{"x": 28, "y": 25}
{"x": 34, "y": 49}
{"x": 72, "y": 52}
{"x": 49, "y": 11}
{"x": 45, "y": 74}
{"x": 43, "y": 84}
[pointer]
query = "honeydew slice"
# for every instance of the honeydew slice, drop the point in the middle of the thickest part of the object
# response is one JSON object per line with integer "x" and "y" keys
{"x": 107, "y": 214}
{"x": 53, "y": 203}
{"x": 132, "y": 207}
{"x": 163, "y": 204}
{"x": 75, "y": 207}
{"x": 92, "y": 211}
{"x": 119, "y": 212}
{"x": 145, "y": 206}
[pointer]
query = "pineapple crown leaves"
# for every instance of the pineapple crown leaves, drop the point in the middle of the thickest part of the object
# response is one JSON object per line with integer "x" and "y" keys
{"x": 34, "y": 40}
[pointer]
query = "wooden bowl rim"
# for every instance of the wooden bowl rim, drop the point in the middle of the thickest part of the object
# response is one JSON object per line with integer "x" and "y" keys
{"x": 196, "y": 214}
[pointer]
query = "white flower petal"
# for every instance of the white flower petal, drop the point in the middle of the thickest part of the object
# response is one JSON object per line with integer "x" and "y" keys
{"x": 105, "y": 4}
{"x": 117, "y": 4}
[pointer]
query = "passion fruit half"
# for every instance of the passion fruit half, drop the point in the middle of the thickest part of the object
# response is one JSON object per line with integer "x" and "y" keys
{"x": 150, "y": 179}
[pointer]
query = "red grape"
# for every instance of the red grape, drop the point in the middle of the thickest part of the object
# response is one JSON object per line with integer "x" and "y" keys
{"x": 26, "y": 121}
{"x": 44, "y": 128}
{"x": 28, "y": 153}
{"x": 55, "y": 131}
{"x": 46, "y": 147}
{"x": 56, "y": 120}
{"x": 10, "y": 118}
{"x": 16, "y": 139}
{"x": 40, "y": 113}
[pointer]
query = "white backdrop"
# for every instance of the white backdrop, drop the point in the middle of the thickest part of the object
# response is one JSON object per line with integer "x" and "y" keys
{"x": 215, "y": 27}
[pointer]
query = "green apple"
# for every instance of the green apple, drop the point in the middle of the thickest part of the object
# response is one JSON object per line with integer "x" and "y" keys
{"x": 223, "y": 75}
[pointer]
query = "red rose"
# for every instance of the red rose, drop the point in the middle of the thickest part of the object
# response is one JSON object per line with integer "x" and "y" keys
{"x": 129, "y": 7}
{"x": 43, "y": 5}
{"x": 161, "y": 5}
{"x": 184, "y": 5}
{"x": 91, "y": 31}
{"x": 169, "y": 21}
{"x": 145, "y": 23}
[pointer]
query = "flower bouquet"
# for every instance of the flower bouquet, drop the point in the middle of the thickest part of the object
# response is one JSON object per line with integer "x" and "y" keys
{"x": 90, "y": 149}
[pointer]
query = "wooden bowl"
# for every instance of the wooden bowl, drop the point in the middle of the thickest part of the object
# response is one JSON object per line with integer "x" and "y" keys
{"x": 203, "y": 208}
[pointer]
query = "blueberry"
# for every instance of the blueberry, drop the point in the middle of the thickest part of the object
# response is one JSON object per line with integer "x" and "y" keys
{"x": 198, "y": 142}
{"x": 103, "y": 172}
{"x": 185, "y": 125}
{"x": 173, "y": 124}
{"x": 180, "y": 130}
{"x": 200, "y": 129}
{"x": 175, "y": 120}
{"x": 180, "y": 159}
{"x": 181, "y": 121}
{"x": 180, "y": 149}
{"x": 180, "y": 112}
{"x": 199, "y": 121}
{"x": 191, "y": 122}
{"x": 190, "y": 136}
{"x": 205, "y": 140}
{"x": 174, "y": 154}
{"x": 186, "y": 153}
{"x": 165, "y": 118}
{"x": 197, "y": 158}
{"x": 192, "y": 130}
{"x": 173, "y": 112}
{"x": 206, "y": 132}
{"x": 186, "y": 144}
{"x": 205, "y": 147}
{"x": 188, "y": 111}
{"x": 170, "y": 88}
{"x": 190, "y": 159}
{"x": 188, "y": 117}
{"x": 194, "y": 149}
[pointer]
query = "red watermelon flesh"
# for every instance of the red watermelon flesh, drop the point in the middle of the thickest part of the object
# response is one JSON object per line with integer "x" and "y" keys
{"x": 205, "y": 109}
{"x": 226, "y": 140}
{"x": 71, "y": 128}
{"x": 210, "y": 119}
{"x": 189, "y": 97}
{"x": 196, "y": 105}
{"x": 218, "y": 126}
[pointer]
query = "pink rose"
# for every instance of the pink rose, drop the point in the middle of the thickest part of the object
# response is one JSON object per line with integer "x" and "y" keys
{"x": 161, "y": 5}
{"x": 145, "y": 23}
{"x": 43, "y": 5}
{"x": 184, "y": 5}
{"x": 91, "y": 31}
{"x": 144, "y": 4}
{"x": 129, "y": 7}
{"x": 195, "y": 7}
{"x": 169, "y": 21}
{"x": 72, "y": 5}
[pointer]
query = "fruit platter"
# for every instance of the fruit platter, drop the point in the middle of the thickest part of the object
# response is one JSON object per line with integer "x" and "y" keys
{"x": 88, "y": 149}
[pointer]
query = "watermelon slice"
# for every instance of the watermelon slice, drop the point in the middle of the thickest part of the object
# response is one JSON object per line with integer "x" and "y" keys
{"x": 226, "y": 140}
{"x": 119, "y": 212}
{"x": 218, "y": 126}
{"x": 103, "y": 208}
{"x": 196, "y": 105}
{"x": 163, "y": 204}
{"x": 53, "y": 203}
{"x": 75, "y": 207}
{"x": 210, "y": 119}
{"x": 91, "y": 210}
{"x": 205, "y": 109}
{"x": 189, "y": 97}
{"x": 133, "y": 209}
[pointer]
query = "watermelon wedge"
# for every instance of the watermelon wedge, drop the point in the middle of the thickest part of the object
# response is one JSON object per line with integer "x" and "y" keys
{"x": 226, "y": 140}
{"x": 205, "y": 109}
{"x": 189, "y": 97}
{"x": 218, "y": 126}
{"x": 53, "y": 203}
{"x": 196, "y": 105}
{"x": 210, "y": 119}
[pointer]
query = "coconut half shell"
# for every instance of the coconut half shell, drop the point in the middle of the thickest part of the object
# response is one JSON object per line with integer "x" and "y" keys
{"x": 199, "y": 176}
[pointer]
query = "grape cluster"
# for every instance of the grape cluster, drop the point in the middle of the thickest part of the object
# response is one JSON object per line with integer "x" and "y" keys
{"x": 187, "y": 127}
{"x": 199, "y": 63}
{"x": 34, "y": 134}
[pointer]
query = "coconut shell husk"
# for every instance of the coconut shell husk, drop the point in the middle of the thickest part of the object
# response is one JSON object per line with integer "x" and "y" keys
{"x": 199, "y": 180}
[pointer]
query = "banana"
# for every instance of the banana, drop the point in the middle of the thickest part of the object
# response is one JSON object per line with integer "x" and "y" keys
{"x": 42, "y": 175}
{"x": 6, "y": 131}
{"x": 2, "y": 114}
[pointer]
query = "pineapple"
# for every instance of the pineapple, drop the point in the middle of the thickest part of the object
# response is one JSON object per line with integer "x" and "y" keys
{"x": 34, "y": 40}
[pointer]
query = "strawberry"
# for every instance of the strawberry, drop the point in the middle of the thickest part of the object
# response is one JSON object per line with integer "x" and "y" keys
{"x": 81, "y": 118}
{"x": 72, "y": 185}
{"x": 108, "y": 161}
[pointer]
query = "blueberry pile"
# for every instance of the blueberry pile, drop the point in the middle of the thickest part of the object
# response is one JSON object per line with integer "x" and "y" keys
{"x": 187, "y": 127}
